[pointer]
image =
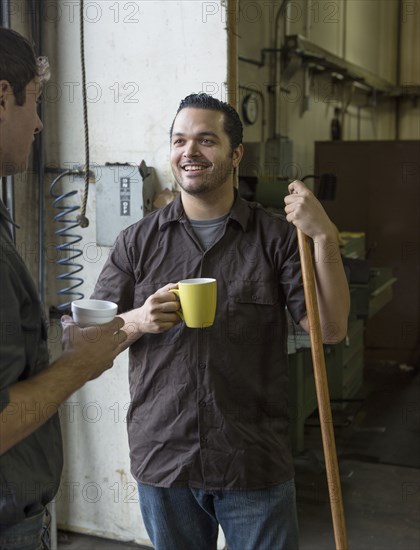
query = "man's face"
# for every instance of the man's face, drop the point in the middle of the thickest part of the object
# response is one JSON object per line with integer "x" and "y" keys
{"x": 201, "y": 157}
{"x": 18, "y": 125}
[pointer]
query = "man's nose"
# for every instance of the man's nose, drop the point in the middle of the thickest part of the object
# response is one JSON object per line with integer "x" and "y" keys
{"x": 191, "y": 149}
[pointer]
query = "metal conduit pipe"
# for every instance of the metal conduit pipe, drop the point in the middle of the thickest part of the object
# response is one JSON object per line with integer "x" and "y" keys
{"x": 399, "y": 49}
{"x": 8, "y": 189}
{"x": 37, "y": 12}
{"x": 232, "y": 51}
{"x": 276, "y": 69}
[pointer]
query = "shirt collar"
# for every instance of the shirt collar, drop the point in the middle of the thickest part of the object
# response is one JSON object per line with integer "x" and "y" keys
{"x": 174, "y": 212}
{"x": 240, "y": 211}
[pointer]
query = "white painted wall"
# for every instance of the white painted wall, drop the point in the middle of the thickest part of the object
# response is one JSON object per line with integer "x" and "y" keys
{"x": 142, "y": 58}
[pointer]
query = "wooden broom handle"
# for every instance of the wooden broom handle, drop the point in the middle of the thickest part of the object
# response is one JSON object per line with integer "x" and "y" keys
{"x": 322, "y": 393}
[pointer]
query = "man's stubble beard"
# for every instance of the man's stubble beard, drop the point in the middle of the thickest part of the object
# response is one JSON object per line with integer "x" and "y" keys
{"x": 210, "y": 182}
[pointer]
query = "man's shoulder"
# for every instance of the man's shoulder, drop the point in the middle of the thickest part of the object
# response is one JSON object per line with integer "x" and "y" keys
{"x": 149, "y": 220}
{"x": 266, "y": 215}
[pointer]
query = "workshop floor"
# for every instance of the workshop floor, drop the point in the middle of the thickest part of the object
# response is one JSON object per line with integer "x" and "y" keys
{"x": 378, "y": 445}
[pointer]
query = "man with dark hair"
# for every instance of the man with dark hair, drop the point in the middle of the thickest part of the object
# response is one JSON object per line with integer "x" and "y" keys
{"x": 31, "y": 389}
{"x": 208, "y": 425}
{"x": 18, "y": 64}
{"x": 232, "y": 124}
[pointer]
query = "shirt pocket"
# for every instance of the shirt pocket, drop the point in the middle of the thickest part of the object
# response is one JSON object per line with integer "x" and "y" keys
{"x": 253, "y": 308}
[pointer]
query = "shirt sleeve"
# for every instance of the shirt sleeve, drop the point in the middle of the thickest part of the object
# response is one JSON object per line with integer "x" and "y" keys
{"x": 12, "y": 344}
{"x": 116, "y": 282}
{"x": 290, "y": 274}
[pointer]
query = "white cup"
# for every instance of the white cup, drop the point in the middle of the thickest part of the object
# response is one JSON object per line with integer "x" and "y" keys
{"x": 88, "y": 312}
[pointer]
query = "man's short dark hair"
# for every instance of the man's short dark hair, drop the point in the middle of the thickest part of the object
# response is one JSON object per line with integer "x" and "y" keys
{"x": 232, "y": 123}
{"x": 18, "y": 63}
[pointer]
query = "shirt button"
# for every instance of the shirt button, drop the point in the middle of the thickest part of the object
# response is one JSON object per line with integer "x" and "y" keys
{"x": 202, "y": 404}
{"x": 202, "y": 365}
{"x": 254, "y": 297}
{"x": 203, "y": 440}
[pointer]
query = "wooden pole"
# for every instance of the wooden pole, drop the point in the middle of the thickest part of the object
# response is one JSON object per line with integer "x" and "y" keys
{"x": 232, "y": 88}
{"x": 321, "y": 384}
{"x": 232, "y": 53}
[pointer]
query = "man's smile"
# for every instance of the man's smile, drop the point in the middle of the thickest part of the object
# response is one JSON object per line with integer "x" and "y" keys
{"x": 195, "y": 167}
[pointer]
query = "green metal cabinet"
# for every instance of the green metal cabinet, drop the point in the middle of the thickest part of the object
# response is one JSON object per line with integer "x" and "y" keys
{"x": 344, "y": 361}
{"x": 344, "y": 366}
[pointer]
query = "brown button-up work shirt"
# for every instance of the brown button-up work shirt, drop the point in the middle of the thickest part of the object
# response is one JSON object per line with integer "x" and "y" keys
{"x": 209, "y": 406}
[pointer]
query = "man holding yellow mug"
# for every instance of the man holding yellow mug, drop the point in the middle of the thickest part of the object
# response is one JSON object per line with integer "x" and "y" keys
{"x": 208, "y": 423}
{"x": 198, "y": 299}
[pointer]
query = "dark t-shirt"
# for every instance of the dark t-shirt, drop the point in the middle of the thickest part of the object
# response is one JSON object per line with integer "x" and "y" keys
{"x": 30, "y": 471}
{"x": 209, "y": 406}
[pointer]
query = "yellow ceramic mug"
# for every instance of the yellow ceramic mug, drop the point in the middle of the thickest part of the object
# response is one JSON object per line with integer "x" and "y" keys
{"x": 198, "y": 301}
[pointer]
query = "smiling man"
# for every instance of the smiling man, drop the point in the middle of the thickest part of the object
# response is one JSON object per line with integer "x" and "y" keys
{"x": 208, "y": 421}
{"x": 31, "y": 389}
{"x": 202, "y": 155}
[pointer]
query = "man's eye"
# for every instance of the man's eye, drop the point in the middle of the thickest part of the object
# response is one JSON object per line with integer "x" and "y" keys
{"x": 207, "y": 141}
{"x": 177, "y": 142}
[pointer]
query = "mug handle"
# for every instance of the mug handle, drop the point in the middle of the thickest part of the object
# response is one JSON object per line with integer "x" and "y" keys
{"x": 176, "y": 292}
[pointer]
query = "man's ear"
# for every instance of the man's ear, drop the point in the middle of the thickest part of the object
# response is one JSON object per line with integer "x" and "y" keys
{"x": 237, "y": 155}
{"x": 5, "y": 92}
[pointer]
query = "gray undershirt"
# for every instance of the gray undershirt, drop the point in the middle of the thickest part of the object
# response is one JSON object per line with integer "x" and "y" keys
{"x": 208, "y": 231}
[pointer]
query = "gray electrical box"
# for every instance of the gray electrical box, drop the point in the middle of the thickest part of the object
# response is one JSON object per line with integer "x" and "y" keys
{"x": 124, "y": 195}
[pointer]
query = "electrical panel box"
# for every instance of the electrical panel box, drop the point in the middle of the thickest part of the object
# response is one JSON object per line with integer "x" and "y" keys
{"x": 124, "y": 195}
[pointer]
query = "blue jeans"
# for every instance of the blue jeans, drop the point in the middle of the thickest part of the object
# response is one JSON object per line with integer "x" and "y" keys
{"x": 30, "y": 534}
{"x": 188, "y": 519}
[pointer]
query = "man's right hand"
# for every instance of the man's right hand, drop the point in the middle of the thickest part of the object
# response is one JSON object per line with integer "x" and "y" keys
{"x": 156, "y": 315}
{"x": 93, "y": 348}
{"x": 88, "y": 352}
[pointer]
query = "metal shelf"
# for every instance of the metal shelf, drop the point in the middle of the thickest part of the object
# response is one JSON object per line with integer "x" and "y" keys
{"x": 322, "y": 61}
